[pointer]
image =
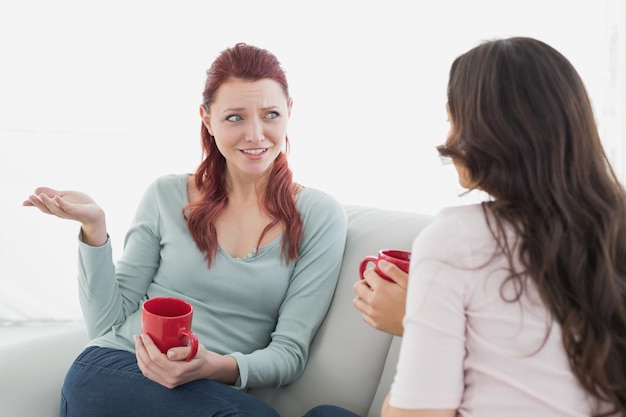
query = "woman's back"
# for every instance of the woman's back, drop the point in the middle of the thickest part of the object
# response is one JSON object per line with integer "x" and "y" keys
{"x": 494, "y": 357}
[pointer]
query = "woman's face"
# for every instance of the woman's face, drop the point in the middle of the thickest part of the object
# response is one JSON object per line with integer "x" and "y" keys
{"x": 248, "y": 120}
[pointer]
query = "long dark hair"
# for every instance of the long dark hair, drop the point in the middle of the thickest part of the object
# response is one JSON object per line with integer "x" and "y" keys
{"x": 524, "y": 128}
{"x": 249, "y": 63}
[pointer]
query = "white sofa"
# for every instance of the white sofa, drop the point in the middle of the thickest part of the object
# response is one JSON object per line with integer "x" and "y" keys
{"x": 350, "y": 364}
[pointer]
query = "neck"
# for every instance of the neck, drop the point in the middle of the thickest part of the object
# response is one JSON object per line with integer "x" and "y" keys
{"x": 246, "y": 190}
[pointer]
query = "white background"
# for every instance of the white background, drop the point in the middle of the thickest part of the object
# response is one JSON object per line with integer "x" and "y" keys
{"x": 103, "y": 97}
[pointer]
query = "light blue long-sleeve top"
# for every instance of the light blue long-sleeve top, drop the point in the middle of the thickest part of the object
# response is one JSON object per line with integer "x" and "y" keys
{"x": 261, "y": 310}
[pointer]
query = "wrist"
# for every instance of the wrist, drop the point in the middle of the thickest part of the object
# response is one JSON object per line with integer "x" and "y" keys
{"x": 224, "y": 369}
{"x": 94, "y": 234}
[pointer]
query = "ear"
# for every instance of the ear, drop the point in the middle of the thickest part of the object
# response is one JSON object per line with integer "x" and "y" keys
{"x": 206, "y": 119}
{"x": 289, "y": 107}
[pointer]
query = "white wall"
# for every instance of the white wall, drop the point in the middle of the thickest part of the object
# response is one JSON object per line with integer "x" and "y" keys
{"x": 103, "y": 97}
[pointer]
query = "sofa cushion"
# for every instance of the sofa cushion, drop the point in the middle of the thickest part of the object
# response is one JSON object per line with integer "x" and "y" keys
{"x": 350, "y": 364}
{"x": 347, "y": 360}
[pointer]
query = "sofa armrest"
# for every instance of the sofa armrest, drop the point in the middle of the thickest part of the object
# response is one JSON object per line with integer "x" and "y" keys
{"x": 33, "y": 371}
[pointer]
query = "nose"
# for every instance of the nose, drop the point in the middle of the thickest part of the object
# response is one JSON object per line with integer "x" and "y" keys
{"x": 254, "y": 131}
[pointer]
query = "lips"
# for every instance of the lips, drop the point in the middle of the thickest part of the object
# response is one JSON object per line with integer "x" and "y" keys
{"x": 254, "y": 152}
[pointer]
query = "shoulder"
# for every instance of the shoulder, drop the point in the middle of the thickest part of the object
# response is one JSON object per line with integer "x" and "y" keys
{"x": 314, "y": 203}
{"x": 166, "y": 190}
{"x": 462, "y": 218}
{"x": 169, "y": 185}
{"x": 170, "y": 181}
{"x": 325, "y": 225}
{"x": 454, "y": 231}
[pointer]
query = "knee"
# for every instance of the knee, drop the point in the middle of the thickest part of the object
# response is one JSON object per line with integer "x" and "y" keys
{"x": 329, "y": 411}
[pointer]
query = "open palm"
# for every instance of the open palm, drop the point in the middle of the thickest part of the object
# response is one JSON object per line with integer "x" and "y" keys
{"x": 71, "y": 205}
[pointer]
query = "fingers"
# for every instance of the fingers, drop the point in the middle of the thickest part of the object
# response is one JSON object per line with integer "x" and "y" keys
{"x": 364, "y": 294}
{"x": 150, "y": 349}
{"x": 371, "y": 280}
{"x": 147, "y": 347}
{"x": 51, "y": 192}
{"x": 54, "y": 205}
{"x": 142, "y": 354}
{"x": 361, "y": 288}
{"x": 382, "y": 302}
{"x": 43, "y": 203}
{"x": 359, "y": 304}
{"x": 368, "y": 314}
{"x": 147, "y": 354}
{"x": 399, "y": 276}
{"x": 45, "y": 199}
{"x": 169, "y": 370}
{"x": 65, "y": 207}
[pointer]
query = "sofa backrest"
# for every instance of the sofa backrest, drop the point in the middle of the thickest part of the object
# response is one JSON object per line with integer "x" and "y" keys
{"x": 351, "y": 364}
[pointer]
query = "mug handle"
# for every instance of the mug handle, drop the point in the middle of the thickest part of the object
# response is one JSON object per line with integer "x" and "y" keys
{"x": 193, "y": 342}
{"x": 364, "y": 262}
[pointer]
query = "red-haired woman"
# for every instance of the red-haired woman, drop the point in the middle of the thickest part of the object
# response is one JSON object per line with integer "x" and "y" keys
{"x": 256, "y": 254}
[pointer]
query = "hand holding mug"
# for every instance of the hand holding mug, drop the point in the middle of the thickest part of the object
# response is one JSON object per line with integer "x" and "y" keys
{"x": 167, "y": 321}
{"x": 400, "y": 258}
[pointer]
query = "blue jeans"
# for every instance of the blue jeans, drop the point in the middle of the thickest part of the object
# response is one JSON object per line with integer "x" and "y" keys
{"x": 106, "y": 382}
{"x": 329, "y": 411}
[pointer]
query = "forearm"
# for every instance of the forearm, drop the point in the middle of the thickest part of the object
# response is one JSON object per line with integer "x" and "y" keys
{"x": 389, "y": 411}
{"x": 98, "y": 292}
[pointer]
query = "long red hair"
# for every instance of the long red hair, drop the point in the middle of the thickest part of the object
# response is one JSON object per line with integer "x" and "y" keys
{"x": 249, "y": 63}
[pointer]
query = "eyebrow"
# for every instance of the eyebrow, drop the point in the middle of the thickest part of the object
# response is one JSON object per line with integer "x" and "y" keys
{"x": 239, "y": 109}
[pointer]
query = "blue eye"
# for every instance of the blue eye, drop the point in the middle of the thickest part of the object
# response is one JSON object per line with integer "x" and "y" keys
{"x": 272, "y": 115}
{"x": 234, "y": 118}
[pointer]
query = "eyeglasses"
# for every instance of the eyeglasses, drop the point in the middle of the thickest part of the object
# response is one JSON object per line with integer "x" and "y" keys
{"x": 443, "y": 155}
{"x": 445, "y": 160}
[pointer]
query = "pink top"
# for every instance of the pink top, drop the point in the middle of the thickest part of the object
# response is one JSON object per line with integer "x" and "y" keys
{"x": 466, "y": 348}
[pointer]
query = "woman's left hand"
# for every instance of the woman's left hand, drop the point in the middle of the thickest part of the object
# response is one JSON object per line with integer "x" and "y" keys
{"x": 382, "y": 302}
{"x": 171, "y": 369}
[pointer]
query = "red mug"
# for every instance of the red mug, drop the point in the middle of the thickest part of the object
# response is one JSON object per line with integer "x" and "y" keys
{"x": 167, "y": 320}
{"x": 400, "y": 258}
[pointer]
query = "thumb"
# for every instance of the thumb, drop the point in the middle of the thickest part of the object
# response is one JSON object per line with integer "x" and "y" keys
{"x": 178, "y": 353}
{"x": 402, "y": 278}
{"x": 399, "y": 276}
